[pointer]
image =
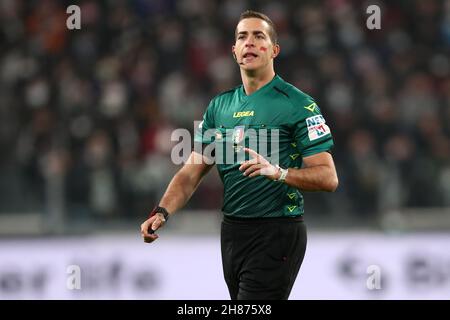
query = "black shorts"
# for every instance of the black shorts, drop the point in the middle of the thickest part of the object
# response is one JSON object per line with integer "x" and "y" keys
{"x": 261, "y": 257}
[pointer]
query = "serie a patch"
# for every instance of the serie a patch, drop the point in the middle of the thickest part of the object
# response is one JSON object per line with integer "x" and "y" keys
{"x": 317, "y": 127}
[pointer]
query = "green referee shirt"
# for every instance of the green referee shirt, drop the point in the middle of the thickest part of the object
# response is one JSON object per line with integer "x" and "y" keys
{"x": 280, "y": 111}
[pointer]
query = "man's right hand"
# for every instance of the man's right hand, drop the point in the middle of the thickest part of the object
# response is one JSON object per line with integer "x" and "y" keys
{"x": 153, "y": 223}
{"x": 180, "y": 189}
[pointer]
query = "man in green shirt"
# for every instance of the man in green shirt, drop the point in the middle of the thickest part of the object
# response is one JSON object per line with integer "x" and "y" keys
{"x": 269, "y": 140}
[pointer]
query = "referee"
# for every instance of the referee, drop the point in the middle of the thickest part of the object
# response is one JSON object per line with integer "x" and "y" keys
{"x": 263, "y": 236}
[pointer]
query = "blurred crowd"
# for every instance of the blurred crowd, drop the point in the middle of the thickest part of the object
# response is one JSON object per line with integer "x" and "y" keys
{"x": 86, "y": 115}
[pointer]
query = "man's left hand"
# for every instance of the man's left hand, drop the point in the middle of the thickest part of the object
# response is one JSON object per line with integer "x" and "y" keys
{"x": 258, "y": 166}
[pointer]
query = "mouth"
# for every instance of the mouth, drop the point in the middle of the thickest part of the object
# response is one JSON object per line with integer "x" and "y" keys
{"x": 249, "y": 56}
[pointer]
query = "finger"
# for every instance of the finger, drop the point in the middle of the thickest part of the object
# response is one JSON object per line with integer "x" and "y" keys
{"x": 144, "y": 229}
{"x": 252, "y": 168}
{"x": 151, "y": 238}
{"x": 255, "y": 173}
{"x": 156, "y": 224}
{"x": 259, "y": 158}
{"x": 146, "y": 224}
{"x": 252, "y": 153}
{"x": 247, "y": 164}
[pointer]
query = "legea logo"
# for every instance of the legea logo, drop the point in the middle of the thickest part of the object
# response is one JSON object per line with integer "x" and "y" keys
{"x": 243, "y": 114}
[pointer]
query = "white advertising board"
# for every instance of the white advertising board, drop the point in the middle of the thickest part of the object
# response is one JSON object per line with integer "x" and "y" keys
{"x": 336, "y": 266}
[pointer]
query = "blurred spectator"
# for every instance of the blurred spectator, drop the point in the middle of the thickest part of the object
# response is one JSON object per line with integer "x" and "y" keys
{"x": 95, "y": 108}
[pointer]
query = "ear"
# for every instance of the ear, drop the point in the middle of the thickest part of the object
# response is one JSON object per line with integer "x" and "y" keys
{"x": 275, "y": 51}
{"x": 233, "y": 52}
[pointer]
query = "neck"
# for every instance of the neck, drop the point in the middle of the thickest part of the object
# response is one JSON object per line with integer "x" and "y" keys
{"x": 254, "y": 80}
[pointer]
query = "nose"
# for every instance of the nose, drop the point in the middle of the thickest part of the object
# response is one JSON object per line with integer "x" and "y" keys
{"x": 249, "y": 42}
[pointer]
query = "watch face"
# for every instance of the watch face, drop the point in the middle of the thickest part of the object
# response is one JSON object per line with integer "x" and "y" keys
{"x": 284, "y": 173}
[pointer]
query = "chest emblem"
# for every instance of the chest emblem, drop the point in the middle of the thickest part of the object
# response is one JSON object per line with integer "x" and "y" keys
{"x": 238, "y": 134}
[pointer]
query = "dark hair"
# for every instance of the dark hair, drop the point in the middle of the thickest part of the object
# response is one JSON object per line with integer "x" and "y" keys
{"x": 254, "y": 14}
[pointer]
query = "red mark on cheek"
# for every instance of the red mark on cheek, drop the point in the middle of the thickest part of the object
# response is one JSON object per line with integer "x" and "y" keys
{"x": 263, "y": 49}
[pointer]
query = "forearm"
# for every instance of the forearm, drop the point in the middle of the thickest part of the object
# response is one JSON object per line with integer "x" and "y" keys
{"x": 316, "y": 178}
{"x": 179, "y": 192}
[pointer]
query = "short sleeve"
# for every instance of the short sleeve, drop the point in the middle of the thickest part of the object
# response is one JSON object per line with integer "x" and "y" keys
{"x": 311, "y": 132}
{"x": 204, "y": 131}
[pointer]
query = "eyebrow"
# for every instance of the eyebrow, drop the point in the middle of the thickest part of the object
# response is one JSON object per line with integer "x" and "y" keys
{"x": 254, "y": 32}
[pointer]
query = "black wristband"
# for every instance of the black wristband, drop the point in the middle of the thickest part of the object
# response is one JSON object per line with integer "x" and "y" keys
{"x": 162, "y": 210}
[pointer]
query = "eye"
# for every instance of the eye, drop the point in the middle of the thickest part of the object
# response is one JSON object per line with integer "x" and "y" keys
{"x": 240, "y": 37}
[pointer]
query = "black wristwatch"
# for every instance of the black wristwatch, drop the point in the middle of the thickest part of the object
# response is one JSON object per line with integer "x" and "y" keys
{"x": 162, "y": 210}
